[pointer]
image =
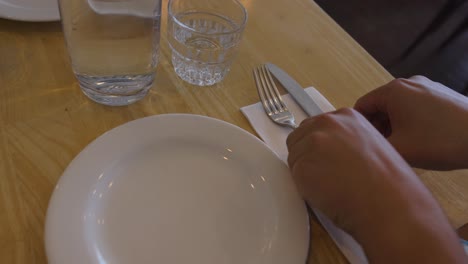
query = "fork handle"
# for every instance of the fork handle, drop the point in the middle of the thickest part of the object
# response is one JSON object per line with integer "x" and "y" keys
{"x": 291, "y": 124}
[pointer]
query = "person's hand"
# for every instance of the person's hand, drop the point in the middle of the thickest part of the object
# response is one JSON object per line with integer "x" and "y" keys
{"x": 425, "y": 121}
{"x": 340, "y": 164}
{"x": 345, "y": 168}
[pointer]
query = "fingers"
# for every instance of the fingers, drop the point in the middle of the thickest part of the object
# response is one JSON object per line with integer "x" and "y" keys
{"x": 300, "y": 132}
{"x": 381, "y": 122}
{"x": 374, "y": 101}
{"x": 314, "y": 131}
{"x": 306, "y": 127}
{"x": 379, "y": 99}
{"x": 321, "y": 121}
{"x": 305, "y": 147}
{"x": 418, "y": 78}
{"x": 377, "y": 105}
{"x": 301, "y": 140}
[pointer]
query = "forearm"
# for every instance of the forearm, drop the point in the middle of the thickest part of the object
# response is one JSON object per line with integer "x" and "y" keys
{"x": 411, "y": 228}
{"x": 412, "y": 240}
{"x": 456, "y": 147}
{"x": 464, "y": 155}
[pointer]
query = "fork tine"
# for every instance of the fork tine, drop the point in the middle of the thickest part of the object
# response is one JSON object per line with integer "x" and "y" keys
{"x": 273, "y": 90}
{"x": 264, "y": 85}
{"x": 261, "y": 92}
{"x": 267, "y": 90}
{"x": 271, "y": 99}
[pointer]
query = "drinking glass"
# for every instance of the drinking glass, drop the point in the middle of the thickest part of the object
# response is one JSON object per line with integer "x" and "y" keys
{"x": 204, "y": 38}
{"x": 113, "y": 45}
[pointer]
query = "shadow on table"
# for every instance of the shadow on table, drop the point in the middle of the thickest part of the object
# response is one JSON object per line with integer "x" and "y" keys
{"x": 21, "y": 26}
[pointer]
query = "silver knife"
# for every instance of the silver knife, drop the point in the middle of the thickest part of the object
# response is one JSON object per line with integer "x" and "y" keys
{"x": 295, "y": 90}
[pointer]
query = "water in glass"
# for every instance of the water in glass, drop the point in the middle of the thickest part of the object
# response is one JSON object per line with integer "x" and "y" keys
{"x": 113, "y": 47}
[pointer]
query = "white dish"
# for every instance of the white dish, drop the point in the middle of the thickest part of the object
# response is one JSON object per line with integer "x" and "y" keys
{"x": 30, "y": 10}
{"x": 176, "y": 189}
{"x": 140, "y": 8}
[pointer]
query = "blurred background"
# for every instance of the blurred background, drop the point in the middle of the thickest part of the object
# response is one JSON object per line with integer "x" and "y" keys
{"x": 409, "y": 37}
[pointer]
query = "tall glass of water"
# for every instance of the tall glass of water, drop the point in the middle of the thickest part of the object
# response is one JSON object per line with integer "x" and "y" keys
{"x": 204, "y": 37}
{"x": 113, "y": 45}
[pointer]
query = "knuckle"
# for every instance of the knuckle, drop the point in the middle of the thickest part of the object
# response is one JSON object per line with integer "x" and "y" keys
{"x": 320, "y": 119}
{"x": 307, "y": 120}
{"x": 360, "y": 101}
{"x": 289, "y": 139}
{"x": 317, "y": 138}
{"x": 327, "y": 121}
{"x": 403, "y": 85}
{"x": 344, "y": 114}
{"x": 398, "y": 82}
{"x": 418, "y": 78}
{"x": 347, "y": 111}
{"x": 290, "y": 162}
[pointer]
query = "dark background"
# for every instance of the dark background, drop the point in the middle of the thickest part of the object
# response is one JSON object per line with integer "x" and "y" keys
{"x": 426, "y": 37}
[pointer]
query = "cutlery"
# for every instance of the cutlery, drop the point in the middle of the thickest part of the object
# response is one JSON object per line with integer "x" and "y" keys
{"x": 295, "y": 90}
{"x": 265, "y": 84}
{"x": 271, "y": 99}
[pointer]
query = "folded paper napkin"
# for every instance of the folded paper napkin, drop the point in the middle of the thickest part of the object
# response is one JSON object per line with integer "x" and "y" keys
{"x": 275, "y": 137}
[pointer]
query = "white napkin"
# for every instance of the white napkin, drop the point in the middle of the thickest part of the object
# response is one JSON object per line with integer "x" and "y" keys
{"x": 275, "y": 137}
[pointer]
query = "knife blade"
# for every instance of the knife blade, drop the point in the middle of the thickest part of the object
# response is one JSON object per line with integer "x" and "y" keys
{"x": 295, "y": 90}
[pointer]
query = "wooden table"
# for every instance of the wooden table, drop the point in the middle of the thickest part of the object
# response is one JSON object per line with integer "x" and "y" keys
{"x": 45, "y": 120}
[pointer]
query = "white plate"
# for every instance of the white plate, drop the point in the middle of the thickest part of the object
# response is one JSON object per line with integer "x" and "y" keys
{"x": 30, "y": 10}
{"x": 176, "y": 189}
{"x": 140, "y": 8}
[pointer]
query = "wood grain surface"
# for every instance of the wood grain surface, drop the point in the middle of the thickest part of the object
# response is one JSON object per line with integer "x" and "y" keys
{"x": 45, "y": 120}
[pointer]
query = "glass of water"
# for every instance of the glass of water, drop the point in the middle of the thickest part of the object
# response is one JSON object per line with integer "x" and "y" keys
{"x": 113, "y": 45}
{"x": 204, "y": 37}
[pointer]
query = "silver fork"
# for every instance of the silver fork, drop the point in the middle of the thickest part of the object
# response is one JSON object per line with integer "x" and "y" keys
{"x": 271, "y": 99}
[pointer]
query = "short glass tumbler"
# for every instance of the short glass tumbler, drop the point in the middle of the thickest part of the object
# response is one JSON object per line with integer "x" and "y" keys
{"x": 204, "y": 38}
{"x": 113, "y": 46}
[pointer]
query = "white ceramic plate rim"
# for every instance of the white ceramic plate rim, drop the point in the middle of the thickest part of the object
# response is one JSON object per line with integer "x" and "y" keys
{"x": 63, "y": 234}
{"x": 26, "y": 13}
